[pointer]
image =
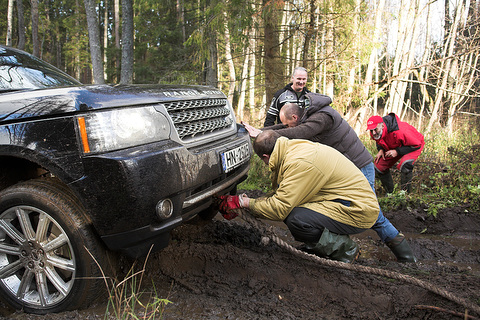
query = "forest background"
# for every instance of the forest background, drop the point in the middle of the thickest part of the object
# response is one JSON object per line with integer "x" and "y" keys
{"x": 416, "y": 58}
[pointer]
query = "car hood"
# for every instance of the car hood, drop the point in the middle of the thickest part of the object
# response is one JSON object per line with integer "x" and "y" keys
{"x": 58, "y": 101}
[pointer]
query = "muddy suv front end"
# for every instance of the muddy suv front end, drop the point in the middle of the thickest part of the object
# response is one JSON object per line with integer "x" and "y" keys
{"x": 154, "y": 187}
{"x": 84, "y": 169}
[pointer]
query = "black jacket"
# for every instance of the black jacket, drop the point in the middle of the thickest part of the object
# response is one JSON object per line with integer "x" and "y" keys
{"x": 281, "y": 97}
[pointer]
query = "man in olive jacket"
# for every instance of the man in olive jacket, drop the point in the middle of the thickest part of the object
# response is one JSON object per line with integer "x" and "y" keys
{"x": 320, "y": 195}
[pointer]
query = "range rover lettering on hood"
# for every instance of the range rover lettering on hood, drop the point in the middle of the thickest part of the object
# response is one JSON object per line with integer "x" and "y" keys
{"x": 177, "y": 93}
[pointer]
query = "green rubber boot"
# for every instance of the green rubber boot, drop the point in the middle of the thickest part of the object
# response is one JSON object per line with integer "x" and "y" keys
{"x": 336, "y": 247}
{"x": 401, "y": 249}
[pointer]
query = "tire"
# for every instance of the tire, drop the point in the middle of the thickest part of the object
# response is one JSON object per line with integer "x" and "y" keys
{"x": 44, "y": 237}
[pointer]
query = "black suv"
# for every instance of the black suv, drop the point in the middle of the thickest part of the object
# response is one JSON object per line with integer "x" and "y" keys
{"x": 86, "y": 169}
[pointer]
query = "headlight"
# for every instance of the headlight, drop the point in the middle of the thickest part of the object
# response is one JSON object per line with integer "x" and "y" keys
{"x": 117, "y": 129}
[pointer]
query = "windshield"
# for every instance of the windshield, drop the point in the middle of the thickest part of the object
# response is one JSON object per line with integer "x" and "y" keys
{"x": 19, "y": 70}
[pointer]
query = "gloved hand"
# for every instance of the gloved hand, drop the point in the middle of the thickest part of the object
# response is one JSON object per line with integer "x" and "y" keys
{"x": 227, "y": 204}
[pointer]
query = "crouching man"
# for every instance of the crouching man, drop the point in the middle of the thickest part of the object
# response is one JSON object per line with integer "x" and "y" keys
{"x": 319, "y": 194}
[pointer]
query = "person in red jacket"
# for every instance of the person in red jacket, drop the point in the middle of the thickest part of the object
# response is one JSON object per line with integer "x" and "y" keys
{"x": 397, "y": 141}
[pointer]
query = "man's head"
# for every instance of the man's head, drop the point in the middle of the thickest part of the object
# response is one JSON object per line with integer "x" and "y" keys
{"x": 375, "y": 125}
{"x": 264, "y": 144}
{"x": 290, "y": 114}
{"x": 299, "y": 78}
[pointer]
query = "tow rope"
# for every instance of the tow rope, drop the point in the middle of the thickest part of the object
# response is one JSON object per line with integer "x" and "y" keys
{"x": 268, "y": 233}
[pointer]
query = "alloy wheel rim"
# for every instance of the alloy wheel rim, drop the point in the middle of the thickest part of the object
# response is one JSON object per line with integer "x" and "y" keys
{"x": 37, "y": 261}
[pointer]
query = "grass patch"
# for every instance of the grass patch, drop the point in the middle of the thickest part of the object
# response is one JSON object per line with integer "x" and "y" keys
{"x": 127, "y": 299}
{"x": 258, "y": 176}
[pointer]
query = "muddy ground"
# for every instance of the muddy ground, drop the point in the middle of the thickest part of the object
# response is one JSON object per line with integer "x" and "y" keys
{"x": 222, "y": 270}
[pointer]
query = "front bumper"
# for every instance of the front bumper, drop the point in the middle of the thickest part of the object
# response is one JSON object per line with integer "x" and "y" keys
{"x": 121, "y": 189}
{"x": 137, "y": 243}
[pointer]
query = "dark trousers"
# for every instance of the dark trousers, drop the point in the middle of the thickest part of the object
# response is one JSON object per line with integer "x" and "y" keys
{"x": 307, "y": 225}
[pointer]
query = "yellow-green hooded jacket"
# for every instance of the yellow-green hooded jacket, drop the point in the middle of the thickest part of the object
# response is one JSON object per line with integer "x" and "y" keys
{"x": 312, "y": 175}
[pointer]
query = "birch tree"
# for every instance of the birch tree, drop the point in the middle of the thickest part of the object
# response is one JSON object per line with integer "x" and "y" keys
{"x": 407, "y": 36}
{"x": 8, "y": 41}
{"x": 424, "y": 71}
{"x": 117, "y": 26}
{"x": 465, "y": 66}
{"x": 105, "y": 38}
{"x": 371, "y": 67}
{"x": 252, "y": 74}
{"x": 445, "y": 67}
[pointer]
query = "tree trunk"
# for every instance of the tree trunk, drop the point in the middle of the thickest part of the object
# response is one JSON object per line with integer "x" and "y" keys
{"x": 374, "y": 54}
{"x": 309, "y": 34}
{"x": 329, "y": 53}
{"x": 77, "y": 36}
{"x": 404, "y": 55}
{"x": 274, "y": 79}
{"x": 229, "y": 60}
{"x": 211, "y": 77}
{"x": 372, "y": 66}
{"x": 181, "y": 18}
{"x": 105, "y": 39}
{"x": 464, "y": 73}
{"x": 252, "y": 75}
{"x": 21, "y": 25}
{"x": 35, "y": 42}
{"x": 117, "y": 39}
{"x": 243, "y": 86}
{"x": 423, "y": 73}
{"x": 94, "y": 40}
{"x": 127, "y": 42}
{"x": 8, "y": 40}
{"x": 252, "y": 72}
{"x": 445, "y": 68}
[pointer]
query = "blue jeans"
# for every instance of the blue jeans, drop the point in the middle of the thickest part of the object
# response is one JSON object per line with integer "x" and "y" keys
{"x": 383, "y": 227}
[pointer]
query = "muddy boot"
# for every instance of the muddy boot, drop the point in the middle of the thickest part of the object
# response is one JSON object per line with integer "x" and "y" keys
{"x": 386, "y": 180}
{"x": 401, "y": 249}
{"x": 336, "y": 247}
{"x": 406, "y": 174}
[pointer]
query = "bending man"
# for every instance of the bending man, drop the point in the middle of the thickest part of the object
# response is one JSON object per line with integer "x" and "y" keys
{"x": 320, "y": 195}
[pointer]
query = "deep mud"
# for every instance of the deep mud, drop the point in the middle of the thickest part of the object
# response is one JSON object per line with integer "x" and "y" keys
{"x": 222, "y": 270}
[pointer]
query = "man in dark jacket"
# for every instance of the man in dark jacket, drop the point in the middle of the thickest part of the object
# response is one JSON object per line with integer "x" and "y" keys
{"x": 396, "y": 141}
{"x": 293, "y": 92}
{"x": 319, "y": 122}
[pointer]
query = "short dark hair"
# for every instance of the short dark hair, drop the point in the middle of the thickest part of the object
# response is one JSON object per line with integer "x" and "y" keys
{"x": 290, "y": 109}
{"x": 265, "y": 142}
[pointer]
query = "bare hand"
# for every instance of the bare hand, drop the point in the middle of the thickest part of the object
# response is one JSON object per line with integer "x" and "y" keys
{"x": 244, "y": 200}
{"x": 380, "y": 154}
{"x": 253, "y": 132}
{"x": 391, "y": 153}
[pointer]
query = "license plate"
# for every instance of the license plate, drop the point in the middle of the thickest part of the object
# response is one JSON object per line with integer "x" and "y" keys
{"x": 234, "y": 157}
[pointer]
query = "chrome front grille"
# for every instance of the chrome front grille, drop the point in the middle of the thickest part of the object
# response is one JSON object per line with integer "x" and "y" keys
{"x": 193, "y": 118}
